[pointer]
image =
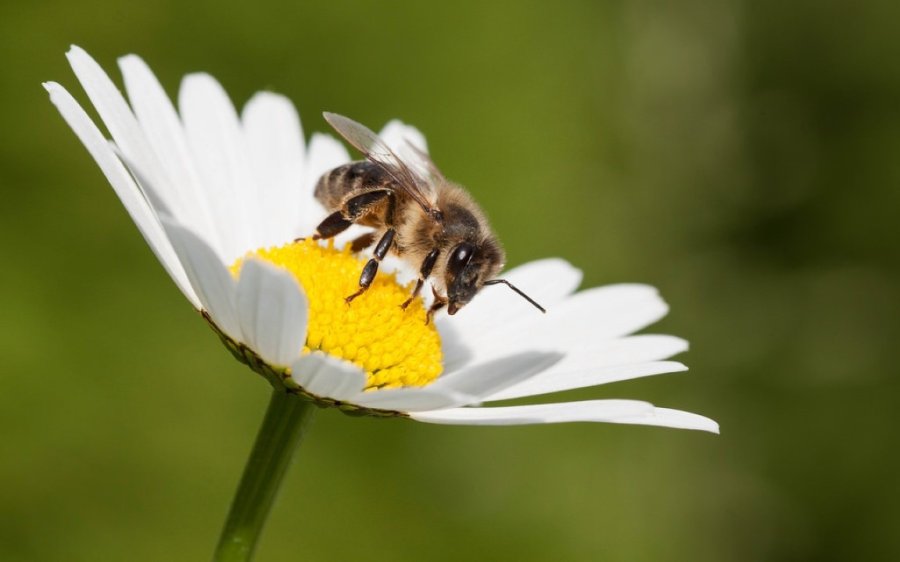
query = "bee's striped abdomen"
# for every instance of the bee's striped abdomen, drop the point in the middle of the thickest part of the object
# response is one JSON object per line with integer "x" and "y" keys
{"x": 353, "y": 178}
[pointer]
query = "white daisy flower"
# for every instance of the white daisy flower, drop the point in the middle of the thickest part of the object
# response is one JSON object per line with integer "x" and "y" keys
{"x": 220, "y": 197}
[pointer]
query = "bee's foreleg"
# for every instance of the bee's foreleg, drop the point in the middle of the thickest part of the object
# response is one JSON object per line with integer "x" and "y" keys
{"x": 371, "y": 268}
{"x": 439, "y": 303}
{"x": 424, "y": 272}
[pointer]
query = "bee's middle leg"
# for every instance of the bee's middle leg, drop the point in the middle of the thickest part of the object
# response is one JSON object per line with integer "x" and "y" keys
{"x": 362, "y": 242}
{"x": 371, "y": 268}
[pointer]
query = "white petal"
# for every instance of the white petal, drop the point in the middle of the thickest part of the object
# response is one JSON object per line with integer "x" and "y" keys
{"x": 213, "y": 283}
{"x": 148, "y": 190}
{"x": 327, "y": 376}
{"x": 556, "y": 381}
{"x": 124, "y": 186}
{"x": 664, "y": 417}
{"x": 575, "y": 326}
{"x": 275, "y": 143}
{"x": 113, "y": 109}
{"x": 604, "y": 362}
{"x": 399, "y": 136}
{"x": 273, "y": 312}
{"x": 549, "y": 279}
{"x": 396, "y": 134}
{"x": 593, "y": 411}
{"x": 494, "y": 376}
{"x": 457, "y": 348}
{"x": 611, "y": 411}
{"x": 632, "y": 349}
{"x": 614, "y": 310}
{"x": 325, "y": 153}
{"x": 216, "y": 141}
{"x": 121, "y": 122}
{"x": 411, "y": 399}
{"x": 497, "y": 307}
{"x": 163, "y": 131}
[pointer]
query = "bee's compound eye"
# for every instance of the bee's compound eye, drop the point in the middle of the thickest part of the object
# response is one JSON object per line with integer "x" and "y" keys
{"x": 460, "y": 257}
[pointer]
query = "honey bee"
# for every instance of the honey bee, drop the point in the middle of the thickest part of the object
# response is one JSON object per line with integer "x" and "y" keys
{"x": 416, "y": 214}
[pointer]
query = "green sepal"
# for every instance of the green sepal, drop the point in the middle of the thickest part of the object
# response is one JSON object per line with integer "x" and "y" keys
{"x": 281, "y": 379}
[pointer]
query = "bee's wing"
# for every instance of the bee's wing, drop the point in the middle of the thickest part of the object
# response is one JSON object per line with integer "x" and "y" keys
{"x": 421, "y": 161}
{"x": 410, "y": 179}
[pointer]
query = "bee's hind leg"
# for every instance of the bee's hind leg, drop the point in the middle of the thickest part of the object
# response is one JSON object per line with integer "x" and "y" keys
{"x": 424, "y": 272}
{"x": 371, "y": 268}
{"x": 351, "y": 211}
{"x": 334, "y": 224}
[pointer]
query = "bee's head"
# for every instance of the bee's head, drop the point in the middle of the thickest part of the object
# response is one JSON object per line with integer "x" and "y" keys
{"x": 469, "y": 267}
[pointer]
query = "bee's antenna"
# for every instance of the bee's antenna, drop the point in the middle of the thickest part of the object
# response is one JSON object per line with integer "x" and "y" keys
{"x": 514, "y": 288}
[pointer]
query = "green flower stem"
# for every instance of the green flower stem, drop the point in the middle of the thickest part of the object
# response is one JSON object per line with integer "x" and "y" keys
{"x": 286, "y": 421}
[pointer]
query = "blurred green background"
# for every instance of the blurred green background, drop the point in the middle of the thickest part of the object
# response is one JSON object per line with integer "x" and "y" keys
{"x": 739, "y": 155}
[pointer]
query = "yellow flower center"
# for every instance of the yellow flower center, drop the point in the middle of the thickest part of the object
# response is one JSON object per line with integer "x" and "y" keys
{"x": 394, "y": 346}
